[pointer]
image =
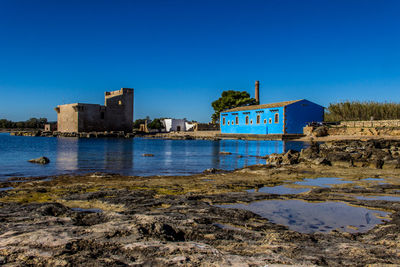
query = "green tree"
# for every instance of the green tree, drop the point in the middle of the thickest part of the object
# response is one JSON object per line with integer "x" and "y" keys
{"x": 156, "y": 124}
{"x": 231, "y": 99}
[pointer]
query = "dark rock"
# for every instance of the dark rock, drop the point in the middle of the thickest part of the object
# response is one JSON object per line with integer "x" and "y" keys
{"x": 274, "y": 159}
{"x": 398, "y": 164}
{"x": 322, "y": 161}
{"x": 320, "y": 131}
{"x": 291, "y": 157}
{"x": 52, "y": 209}
{"x": 213, "y": 170}
{"x": 310, "y": 152}
{"x": 41, "y": 160}
{"x": 147, "y": 155}
{"x": 378, "y": 163}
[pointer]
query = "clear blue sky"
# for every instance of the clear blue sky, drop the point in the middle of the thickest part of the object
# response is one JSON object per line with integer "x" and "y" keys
{"x": 180, "y": 55}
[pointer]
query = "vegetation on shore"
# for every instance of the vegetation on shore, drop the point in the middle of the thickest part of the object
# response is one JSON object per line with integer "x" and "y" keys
{"x": 32, "y": 123}
{"x": 359, "y": 111}
{"x": 230, "y": 99}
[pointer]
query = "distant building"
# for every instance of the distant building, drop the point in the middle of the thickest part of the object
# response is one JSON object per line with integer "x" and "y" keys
{"x": 49, "y": 127}
{"x": 176, "y": 125}
{"x": 115, "y": 115}
{"x": 276, "y": 118}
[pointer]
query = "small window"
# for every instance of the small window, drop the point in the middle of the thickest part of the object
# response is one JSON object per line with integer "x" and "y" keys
{"x": 276, "y": 117}
{"x": 258, "y": 119}
{"x": 265, "y": 121}
{"x": 232, "y": 122}
{"x": 247, "y": 119}
{"x": 120, "y": 102}
{"x": 237, "y": 120}
{"x": 228, "y": 122}
{"x": 270, "y": 121}
{"x": 223, "y": 121}
{"x": 102, "y": 115}
{"x": 251, "y": 121}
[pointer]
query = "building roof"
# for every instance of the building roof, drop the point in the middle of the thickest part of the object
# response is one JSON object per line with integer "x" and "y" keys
{"x": 272, "y": 105}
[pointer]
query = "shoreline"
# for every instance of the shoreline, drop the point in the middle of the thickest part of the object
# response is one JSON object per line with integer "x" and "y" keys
{"x": 204, "y": 135}
{"x": 105, "y": 219}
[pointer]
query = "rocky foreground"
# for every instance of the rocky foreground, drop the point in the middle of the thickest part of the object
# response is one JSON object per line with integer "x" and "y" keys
{"x": 112, "y": 220}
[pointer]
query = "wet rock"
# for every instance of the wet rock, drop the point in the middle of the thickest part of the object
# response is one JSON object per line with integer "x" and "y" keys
{"x": 41, "y": 160}
{"x": 148, "y": 155}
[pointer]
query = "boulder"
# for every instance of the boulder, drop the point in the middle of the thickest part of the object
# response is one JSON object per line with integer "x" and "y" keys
{"x": 291, "y": 157}
{"x": 41, "y": 160}
{"x": 274, "y": 159}
{"x": 310, "y": 152}
{"x": 320, "y": 131}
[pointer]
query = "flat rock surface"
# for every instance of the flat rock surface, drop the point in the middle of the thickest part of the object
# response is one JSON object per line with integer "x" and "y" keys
{"x": 111, "y": 220}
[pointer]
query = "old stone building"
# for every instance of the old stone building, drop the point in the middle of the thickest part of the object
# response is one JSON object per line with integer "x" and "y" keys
{"x": 115, "y": 115}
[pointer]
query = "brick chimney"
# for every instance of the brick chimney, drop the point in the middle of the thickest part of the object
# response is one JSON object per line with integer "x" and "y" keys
{"x": 257, "y": 93}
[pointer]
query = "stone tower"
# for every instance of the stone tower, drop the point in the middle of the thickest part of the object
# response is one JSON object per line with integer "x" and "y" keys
{"x": 119, "y": 106}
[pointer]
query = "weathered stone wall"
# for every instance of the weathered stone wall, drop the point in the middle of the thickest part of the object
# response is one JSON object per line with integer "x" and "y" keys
{"x": 90, "y": 118}
{"x": 365, "y": 131}
{"x": 119, "y": 106}
{"x": 380, "y": 123}
{"x": 67, "y": 118}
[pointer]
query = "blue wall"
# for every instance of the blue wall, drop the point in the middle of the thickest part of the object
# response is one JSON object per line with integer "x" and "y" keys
{"x": 300, "y": 113}
{"x": 253, "y": 128}
{"x": 293, "y": 117}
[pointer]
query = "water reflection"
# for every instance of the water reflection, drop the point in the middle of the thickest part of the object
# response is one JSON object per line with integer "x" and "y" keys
{"x": 94, "y": 154}
{"x": 171, "y": 157}
{"x": 306, "y": 217}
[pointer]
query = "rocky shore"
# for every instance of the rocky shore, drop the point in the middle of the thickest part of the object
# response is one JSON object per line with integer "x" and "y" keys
{"x": 104, "y": 219}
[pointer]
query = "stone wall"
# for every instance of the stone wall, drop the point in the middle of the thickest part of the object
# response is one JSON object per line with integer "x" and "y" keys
{"x": 67, "y": 118}
{"x": 380, "y": 123}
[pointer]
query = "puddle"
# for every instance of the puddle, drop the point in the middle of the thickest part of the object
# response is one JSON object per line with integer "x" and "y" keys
{"x": 6, "y": 188}
{"x": 87, "y": 210}
{"x": 373, "y": 179}
{"x": 280, "y": 190}
{"x": 387, "y": 198}
{"x": 323, "y": 182}
{"x": 307, "y": 217}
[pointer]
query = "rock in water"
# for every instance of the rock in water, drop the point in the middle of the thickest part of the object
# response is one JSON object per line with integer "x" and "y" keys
{"x": 147, "y": 155}
{"x": 41, "y": 160}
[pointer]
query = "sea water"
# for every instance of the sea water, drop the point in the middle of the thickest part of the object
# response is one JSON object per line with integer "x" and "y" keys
{"x": 124, "y": 156}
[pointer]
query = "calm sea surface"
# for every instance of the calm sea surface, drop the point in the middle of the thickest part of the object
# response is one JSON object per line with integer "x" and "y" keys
{"x": 171, "y": 157}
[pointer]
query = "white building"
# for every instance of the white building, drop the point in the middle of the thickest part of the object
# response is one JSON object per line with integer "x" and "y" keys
{"x": 177, "y": 125}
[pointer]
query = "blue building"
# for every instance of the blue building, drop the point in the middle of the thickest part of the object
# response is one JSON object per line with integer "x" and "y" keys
{"x": 277, "y": 118}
